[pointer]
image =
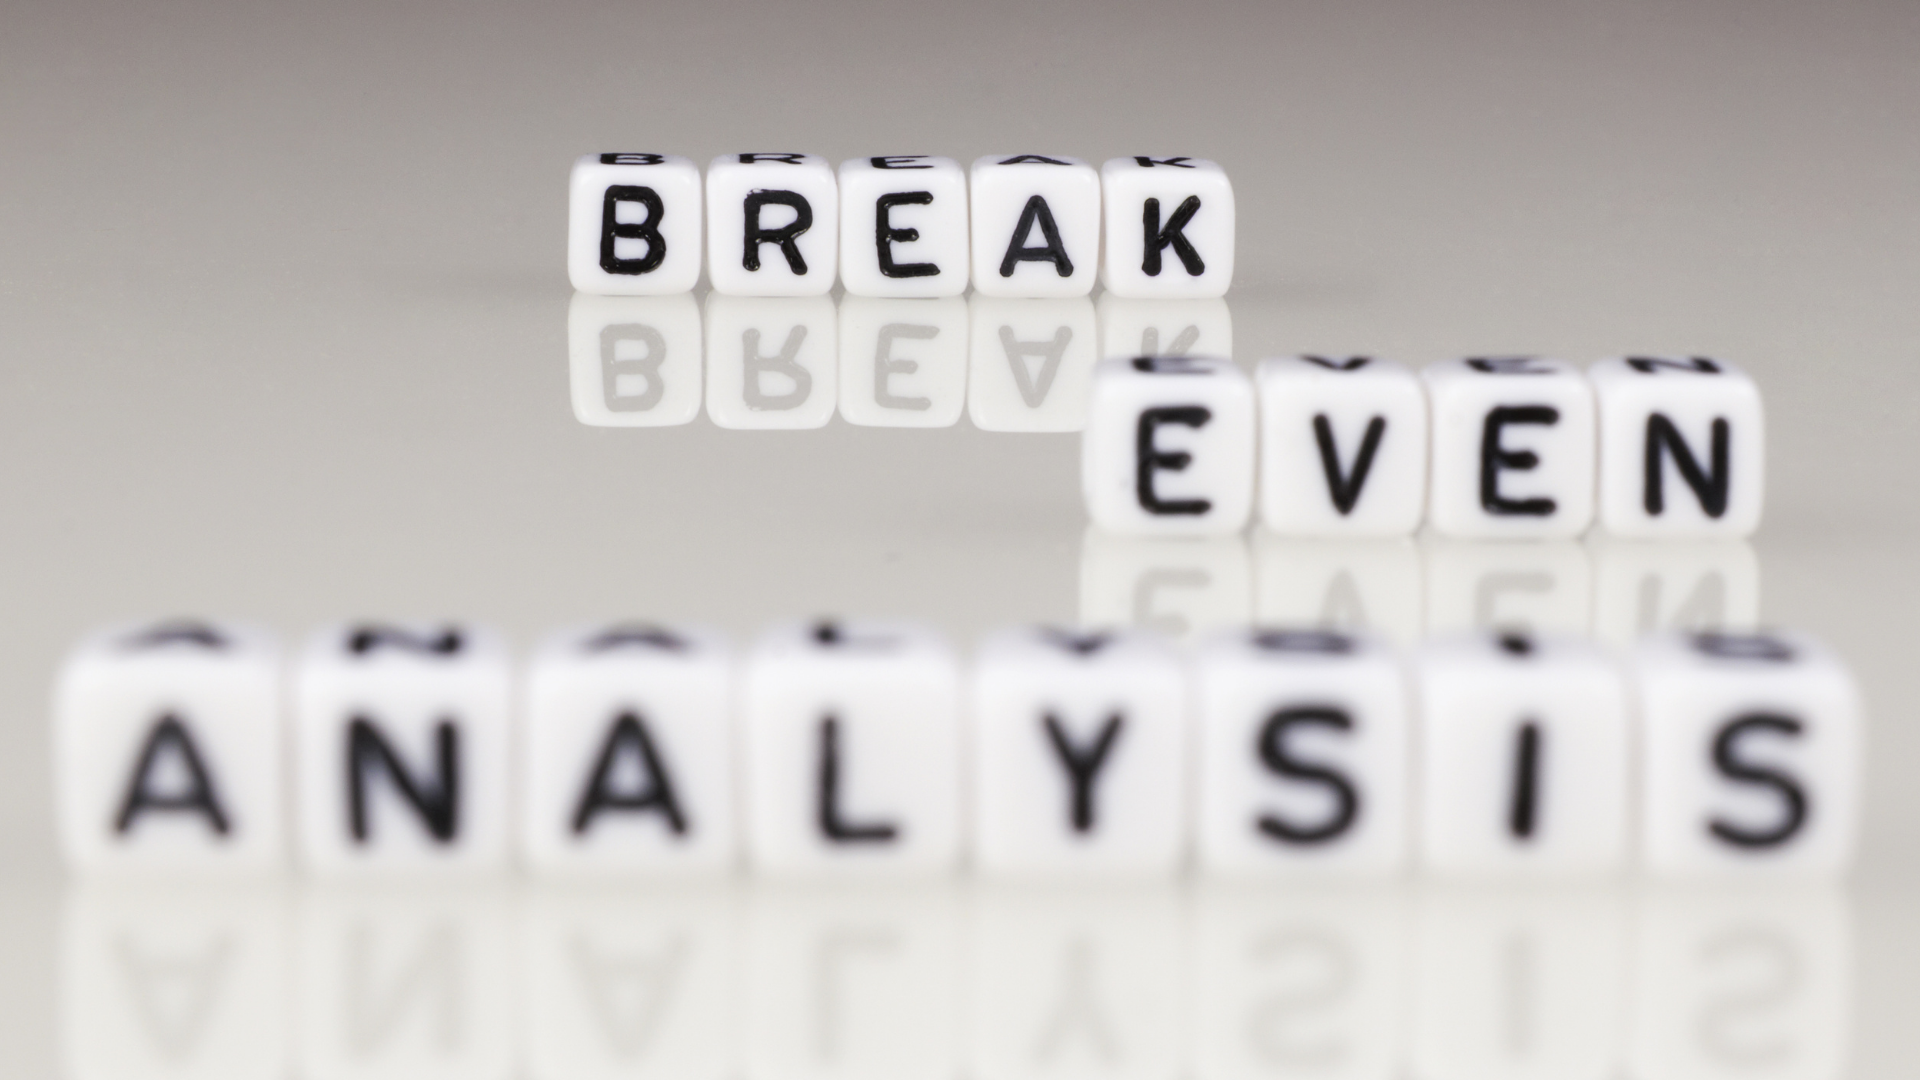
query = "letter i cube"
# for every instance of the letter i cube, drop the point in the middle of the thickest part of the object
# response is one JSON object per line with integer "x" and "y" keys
{"x": 167, "y": 749}
{"x": 1169, "y": 446}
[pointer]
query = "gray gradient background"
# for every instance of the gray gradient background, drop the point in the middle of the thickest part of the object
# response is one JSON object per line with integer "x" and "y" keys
{"x": 282, "y": 310}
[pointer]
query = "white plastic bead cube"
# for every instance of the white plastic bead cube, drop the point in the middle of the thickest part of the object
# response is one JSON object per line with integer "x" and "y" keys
{"x": 903, "y": 226}
{"x": 633, "y": 224}
{"x": 852, "y": 741}
{"x": 1343, "y": 446}
{"x": 1036, "y": 225}
{"x": 1751, "y": 749}
{"x": 1031, "y": 363}
{"x": 401, "y": 748}
{"x": 1305, "y": 748}
{"x": 772, "y": 363}
{"x": 1079, "y": 753}
{"x": 903, "y": 363}
{"x": 1683, "y": 449}
{"x": 1164, "y": 327}
{"x": 626, "y": 752}
{"x": 167, "y": 749}
{"x": 1169, "y": 446}
{"x": 1513, "y": 448}
{"x": 634, "y": 361}
{"x": 1169, "y": 227}
{"x": 773, "y": 225}
{"x": 1525, "y": 750}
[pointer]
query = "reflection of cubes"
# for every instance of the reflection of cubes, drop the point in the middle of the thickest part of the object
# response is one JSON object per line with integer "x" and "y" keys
{"x": 167, "y": 749}
{"x": 1070, "y": 983}
{"x": 1169, "y": 446}
{"x": 1355, "y": 585}
{"x": 184, "y": 982}
{"x": 407, "y": 984}
{"x": 401, "y": 748}
{"x": 634, "y": 361}
{"x": 771, "y": 363}
{"x": 1164, "y": 327}
{"x": 773, "y": 225}
{"x": 1751, "y": 748}
{"x": 1169, "y": 227}
{"x": 851, "y": 731}
{"x": 633, "y": 224}
{"x": 1683, "y": 448}
{"x": 1079, "y": 753}
{"x": 1176, "y": 587}
{"x": 903, "y": 363}
{"x": 1519, "y": 984}
{"x": 1030, "y": 364}
{"x": 1343, "y": 446}
{"x": 1543, "y": 588}
{"x": 903, "y": 226}
{"x": 1513, "y": 448}
{"x": 1299, "y": 982}
{"x": 626, "y": 752}
{"x": 1524, "y": 756}
{"x": 1739, "y": 983}
{"x": 853, "y": 984}
{"x": 1035, "y": 225}
{"x": 1642, "y": 588}
{"x": 1305, "y": 744}
{"x": 627, "y": 985}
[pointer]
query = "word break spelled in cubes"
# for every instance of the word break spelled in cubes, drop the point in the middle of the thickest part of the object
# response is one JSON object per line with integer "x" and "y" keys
{"x": 1169, "y": 446}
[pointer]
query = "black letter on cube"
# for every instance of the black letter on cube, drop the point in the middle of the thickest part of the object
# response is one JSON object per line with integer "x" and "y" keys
{"x": 1036, "y": 213}
{"x": 1345, "y": 489}
{"x": 1158, "y": 238}
{"x": 832, "y": 825}
{"x": 1793, "y": 798}
{"x": 611, "y": 229}
{"x": 784, "y": 236}
{"x": 1494, "y": 458}
{"x": 629, "y": 736}
{"x": 1274, "y": 755}
{"x": 1709, "y": 485}
{"x": 1083, "y": 765}
{"x": 1149, "y": 460}
{"x": 885, "y": 235}
{"x": 199, "y": 797}
{"x": 437, "y": 799}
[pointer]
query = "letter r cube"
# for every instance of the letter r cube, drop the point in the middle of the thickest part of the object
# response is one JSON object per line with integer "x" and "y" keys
{"x": 1169, "y": 446}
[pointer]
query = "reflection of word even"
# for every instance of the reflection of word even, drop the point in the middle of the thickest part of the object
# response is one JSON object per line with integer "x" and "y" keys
{"x": 836, "y": 747}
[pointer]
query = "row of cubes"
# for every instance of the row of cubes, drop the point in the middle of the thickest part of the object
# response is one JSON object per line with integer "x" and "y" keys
{"x": 850, "y": 748}
{"x": 904, "y": 225}
{"x": 1507, "y": 448}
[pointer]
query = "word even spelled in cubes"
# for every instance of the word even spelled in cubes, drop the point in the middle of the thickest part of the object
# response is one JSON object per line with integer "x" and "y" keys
{"x": 1485, "y": 448}
{"x": 837, "y": 748}
{"x": 901, "y": 225}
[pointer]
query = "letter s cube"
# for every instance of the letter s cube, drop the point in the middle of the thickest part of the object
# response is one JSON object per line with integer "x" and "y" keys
{"x": 1169, "y": 446}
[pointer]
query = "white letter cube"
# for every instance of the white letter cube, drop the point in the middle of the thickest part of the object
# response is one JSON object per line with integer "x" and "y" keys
{"x": 1169, "y": 446}
{"x": 401, "y": 748}
{"x": 1079, "y": 752}
{"x": 1683, "y": 449}
{"x": 1343, "y": 446}
{"x": 633, "y": 224}
{"x": 1305, "y": 753}
{"x": 852, "y": 741}
{"x": 1525, "y": 749}
{"x": 1169, "y": 228}
{"x": 1036, "y": 225}
{"x": 1752, "y": 754}
{"x": 167, "y": 749}
{"x": 773, "y": 225}
{"x": 903, "y": 226}
{"x": 626, "y": 752}
{"x": 1513, "y": 448}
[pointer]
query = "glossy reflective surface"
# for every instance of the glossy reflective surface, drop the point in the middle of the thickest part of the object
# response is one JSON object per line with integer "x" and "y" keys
{"x": 286, "y": 334}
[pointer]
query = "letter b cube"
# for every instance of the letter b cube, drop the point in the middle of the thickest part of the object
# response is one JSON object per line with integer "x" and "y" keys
{"x": 1169, "y": 446}
{"x": 633, "y": 224}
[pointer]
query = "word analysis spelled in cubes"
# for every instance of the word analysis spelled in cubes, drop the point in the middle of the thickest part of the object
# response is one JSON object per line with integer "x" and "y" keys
{"x": 1343, "y": 446}
{"x": 1169, "y": 446}
{"x": 1169, "y": 228}
{"x": 401, "y": 739}
{"x": 1305, "y": 750}
{"x": 628, "y": 755}
{"x": 1750, "y": 750}
{"x": 1682, "y": 447}
{"x": 634, "y": 223}
{"x": 1079, "y": 753}
{"x": 167, "y": 748}
{"x": 863, "y": 748}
